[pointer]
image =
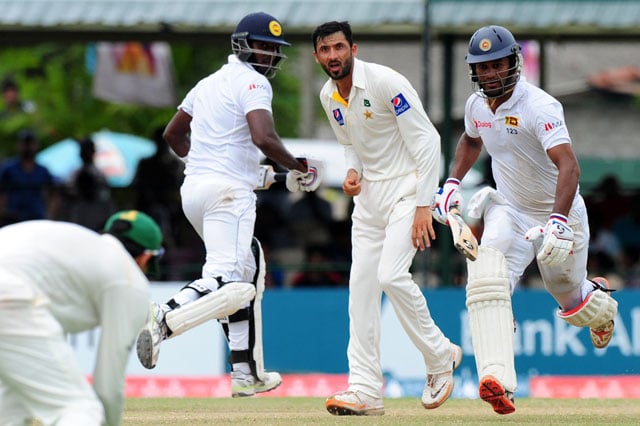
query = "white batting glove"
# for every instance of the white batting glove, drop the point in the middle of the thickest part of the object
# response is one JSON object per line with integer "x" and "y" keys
{"x": 311, "y": 180}
{"x": 557, "y": 243}
{"x": 445, "y": 197}
{"x": 293, "y": 180}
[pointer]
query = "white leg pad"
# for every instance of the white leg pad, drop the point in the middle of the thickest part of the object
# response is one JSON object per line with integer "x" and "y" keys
{"x": 216, "y": 305}
{"x": 597, "y": 309}
{"x": 491, "y": 317}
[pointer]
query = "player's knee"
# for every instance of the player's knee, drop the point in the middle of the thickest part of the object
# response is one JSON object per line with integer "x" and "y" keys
{"x": 488, "y": 277}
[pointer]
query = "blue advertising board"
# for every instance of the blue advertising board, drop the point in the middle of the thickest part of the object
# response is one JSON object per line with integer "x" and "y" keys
{"x": 307, "y": 331}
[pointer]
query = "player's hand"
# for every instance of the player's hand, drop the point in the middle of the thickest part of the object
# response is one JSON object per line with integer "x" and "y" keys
{"x": 557, "y": 240}
{"x": 422, "y": 232}
{"x": 351, "y": 184}
{"x": 445, "y": 197}
{"x": 311, "y": 180}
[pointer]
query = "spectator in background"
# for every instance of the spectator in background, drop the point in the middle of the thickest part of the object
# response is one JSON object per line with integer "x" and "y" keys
{"x": 27, "y": 189}
{"x": 13, "y": 103}
{"x": 606, "y": 194}
{"x": 311, "y": 219}
{"x": 90, "y": 203}
{"x": 319, "y": 271}
{"x": 626, "y": 228}
{"x": 157, "y": 187}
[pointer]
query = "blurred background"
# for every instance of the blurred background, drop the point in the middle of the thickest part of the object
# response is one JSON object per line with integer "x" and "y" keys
{"x": 89, "y": 85}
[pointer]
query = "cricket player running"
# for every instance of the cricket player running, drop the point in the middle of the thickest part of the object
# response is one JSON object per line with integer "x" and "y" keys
{"x": 393, "y": 153}
{"x": 535, "y": 211}
{"x": 220, "y": 128}
{"x": 58, "y": 278}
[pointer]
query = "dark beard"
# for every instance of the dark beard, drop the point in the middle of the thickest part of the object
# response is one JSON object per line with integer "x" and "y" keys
{"x": 345, "y": 71}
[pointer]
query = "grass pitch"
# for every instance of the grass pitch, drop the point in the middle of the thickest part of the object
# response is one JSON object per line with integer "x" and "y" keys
{"x": 400, "y": 411}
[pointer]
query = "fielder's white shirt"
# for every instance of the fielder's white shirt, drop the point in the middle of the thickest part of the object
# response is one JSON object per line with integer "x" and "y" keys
{"x": 517, "y": 138}
{"x": 86, "y": 280}
{"x": 384, "y": 128}
{"x": 221, "y": 144}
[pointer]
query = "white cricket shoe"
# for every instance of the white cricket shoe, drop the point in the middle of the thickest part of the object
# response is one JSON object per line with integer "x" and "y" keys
{"x": 149, "y": 339}
{"x": 439, "y": 386}
{"x": 349, "y": 403}
{"x": 246, "y": 385}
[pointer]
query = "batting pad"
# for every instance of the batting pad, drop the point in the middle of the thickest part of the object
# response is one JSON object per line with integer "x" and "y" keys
{"x": 597, "y": 309}
{"x": 491, "y": 317}
{"x": 258, "y": 352}
{"x": 216, "y": 305}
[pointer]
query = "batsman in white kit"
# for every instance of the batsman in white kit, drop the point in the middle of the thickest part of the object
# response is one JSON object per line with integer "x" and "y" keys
{"x": 58, "y": 278}
{"x": 392, "y": 151}
{"x": 220, "y": 129}
{"x": 535, "y": 212}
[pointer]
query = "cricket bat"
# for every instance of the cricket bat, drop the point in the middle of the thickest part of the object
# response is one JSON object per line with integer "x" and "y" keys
{"x": 267, "y": 177}
{"x": 463, "y": 238}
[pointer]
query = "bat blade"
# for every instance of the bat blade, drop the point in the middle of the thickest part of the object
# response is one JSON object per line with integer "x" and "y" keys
{"x": 463, "y": 239}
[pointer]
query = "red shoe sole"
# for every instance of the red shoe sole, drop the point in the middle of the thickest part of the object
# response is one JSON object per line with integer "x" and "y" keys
{"x": 491, "y": 391}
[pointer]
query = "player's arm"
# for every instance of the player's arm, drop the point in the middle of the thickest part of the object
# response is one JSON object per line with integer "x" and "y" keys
{"x": 123, "y": 314}
{"x": 568, "y": 177}
{"x": 264, "y": 136}
{"x": 467, "y": 153}
{"x": 177, "y": 133}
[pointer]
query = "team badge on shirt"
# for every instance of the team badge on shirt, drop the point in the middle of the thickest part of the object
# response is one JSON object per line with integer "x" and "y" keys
{"x": 400, "y": 104}
{"x": 337, "y": 115}
{"x": 510, "y": 120}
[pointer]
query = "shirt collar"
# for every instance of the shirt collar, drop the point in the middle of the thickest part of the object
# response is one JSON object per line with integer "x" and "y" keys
{"x": 358, "y": 80}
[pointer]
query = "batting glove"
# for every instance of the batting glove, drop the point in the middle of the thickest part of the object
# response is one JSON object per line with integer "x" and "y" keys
{"x": 445, "y": 197}
{"x": 293, "y": 180}
{"x": 311, "y": 180}
{"x": 557, "y": 240}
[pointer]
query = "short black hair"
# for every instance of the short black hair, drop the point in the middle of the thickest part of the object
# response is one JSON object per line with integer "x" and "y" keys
{"x": 8, "y": 83}
{"x": 329, "y": 28}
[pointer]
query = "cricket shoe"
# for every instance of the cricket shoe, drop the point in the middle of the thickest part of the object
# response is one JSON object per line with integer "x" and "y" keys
{"x": 149, "y": 339}
{"x": 492, "y": 391}
{"x": 601, "y": 336}
{"x": 246, "y": 385}
{"x": 349, "y": 403}
{"x": 439, "y": 386}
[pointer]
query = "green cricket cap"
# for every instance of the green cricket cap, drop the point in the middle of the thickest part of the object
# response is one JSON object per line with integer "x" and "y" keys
{"x": 141, "y": 229}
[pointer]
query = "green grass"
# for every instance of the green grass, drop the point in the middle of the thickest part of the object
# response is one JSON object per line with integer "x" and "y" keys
{"x": 400, "y": 411}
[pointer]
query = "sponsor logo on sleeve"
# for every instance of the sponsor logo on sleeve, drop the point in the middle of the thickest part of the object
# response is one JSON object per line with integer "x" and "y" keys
{"x": 337, "y": 115}
{"x": 400, "y": 104}
{"x": 550, "y": 126}
{"x": 254, "y": 86}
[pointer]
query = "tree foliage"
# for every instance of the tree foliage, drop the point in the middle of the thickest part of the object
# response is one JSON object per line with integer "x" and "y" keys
{"x": 58, "y": 80}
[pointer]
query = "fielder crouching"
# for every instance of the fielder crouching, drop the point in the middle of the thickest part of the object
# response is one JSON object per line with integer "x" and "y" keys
{"x": 58, "y": 278}
{"x": 535, "y": 211}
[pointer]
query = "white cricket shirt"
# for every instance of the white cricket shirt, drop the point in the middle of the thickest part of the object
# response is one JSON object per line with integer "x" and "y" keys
{"x": 517, "y": 138}
{"x": 384, "y": 128}
{"x": 221, "y": 144}
{"x": 86, "y": 280}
